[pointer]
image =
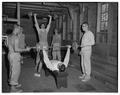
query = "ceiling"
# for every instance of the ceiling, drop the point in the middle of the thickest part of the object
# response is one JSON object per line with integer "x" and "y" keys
{"x": 41, "y": 8}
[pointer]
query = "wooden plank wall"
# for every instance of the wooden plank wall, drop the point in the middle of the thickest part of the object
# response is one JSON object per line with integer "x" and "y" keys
{"x": 104, "y": 68}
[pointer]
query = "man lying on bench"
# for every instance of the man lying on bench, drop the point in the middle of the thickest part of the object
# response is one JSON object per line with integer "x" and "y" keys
{"x": 58, "y": 68}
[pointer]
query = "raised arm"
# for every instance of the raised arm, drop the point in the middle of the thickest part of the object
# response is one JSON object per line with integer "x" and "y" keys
{"x": 47, "y": 61}
{"x": 67, "y": 57}
{"x": 36, "y": 22}
{"x": 49, "y": 24}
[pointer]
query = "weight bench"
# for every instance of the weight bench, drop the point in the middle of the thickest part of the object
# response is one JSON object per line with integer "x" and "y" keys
{"x": 61, "y": 79}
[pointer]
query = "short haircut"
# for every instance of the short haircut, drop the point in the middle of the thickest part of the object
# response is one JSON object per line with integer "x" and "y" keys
{"x": 85, "y": 23}
{"x": 42, "y": 24}
{"x": 17, "y": 25}
{"x": 62, "y": 68}
{"x": 57, "y": 31}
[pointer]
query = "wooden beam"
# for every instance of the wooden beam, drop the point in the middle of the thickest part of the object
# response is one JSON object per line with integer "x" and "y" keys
{"x": 18, "y": 13}
{"x": 10, "y": 20}
{"x": 44, "y": 5}
{"x": 37, "y": 7}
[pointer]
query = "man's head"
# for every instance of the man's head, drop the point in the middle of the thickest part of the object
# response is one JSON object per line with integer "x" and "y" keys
{"x": 42, "y": 26}
{"x": 16, "y": 29}
{"x": 61, "y": 67}
{"x": 21, "y": 29}
{"x": 56, "y": 31}
{"x": 85, "y": 26}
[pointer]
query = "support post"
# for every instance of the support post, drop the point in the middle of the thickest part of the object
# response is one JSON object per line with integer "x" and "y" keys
{"x": 18, "y": 13}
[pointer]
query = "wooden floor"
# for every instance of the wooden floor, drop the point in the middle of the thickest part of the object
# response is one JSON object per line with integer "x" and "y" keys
{"x": 30, "y": 83}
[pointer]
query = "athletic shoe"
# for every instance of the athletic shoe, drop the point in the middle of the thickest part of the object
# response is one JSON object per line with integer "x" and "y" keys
{"x": 16, "y": 90}
{"x": 81, "y": 77}
{"x": 19, "y": 85}
{"x": 86, "y": 78}
{"x": 37, "y": 75}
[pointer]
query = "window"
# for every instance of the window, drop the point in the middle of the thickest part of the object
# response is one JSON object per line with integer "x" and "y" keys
{"x": 103, "y": 31}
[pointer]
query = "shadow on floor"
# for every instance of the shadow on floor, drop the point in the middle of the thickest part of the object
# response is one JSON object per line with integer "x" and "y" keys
{"x": 85, "y": 88}
{"x": 44, "y": 90}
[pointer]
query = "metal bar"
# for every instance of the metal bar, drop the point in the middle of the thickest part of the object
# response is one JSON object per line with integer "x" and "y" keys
{"x": 49, "y": 47}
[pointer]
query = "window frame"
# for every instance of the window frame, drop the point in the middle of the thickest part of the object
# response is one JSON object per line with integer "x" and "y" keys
{"x": 102, "y": 34}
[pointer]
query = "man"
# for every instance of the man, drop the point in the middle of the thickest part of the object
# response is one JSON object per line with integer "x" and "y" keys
{"x": 86, "y": 50}
{"x": 56, "y": 43}
{"x": 42, "y": 34}
{"x": 14, "y": 59}
{"x": 55, "y": 65}
{"x": 22, "y": 43}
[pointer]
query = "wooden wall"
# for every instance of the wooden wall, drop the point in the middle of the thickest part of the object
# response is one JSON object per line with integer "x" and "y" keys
{"x": 104, "y": 57}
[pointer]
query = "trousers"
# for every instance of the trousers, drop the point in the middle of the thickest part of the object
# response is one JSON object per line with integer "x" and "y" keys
{"x": 15, "y": 68}
{"x": 86, "y": 61}
{"x": 56, "y": 51}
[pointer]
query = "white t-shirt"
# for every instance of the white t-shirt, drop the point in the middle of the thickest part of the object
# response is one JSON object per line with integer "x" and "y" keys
{"x": 87, "y": 41}
{"x": 52, "y": 64}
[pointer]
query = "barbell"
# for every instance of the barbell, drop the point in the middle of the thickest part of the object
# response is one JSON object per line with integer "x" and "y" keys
{"x": 35, "y": 47}
{"x": 74, "y": 46}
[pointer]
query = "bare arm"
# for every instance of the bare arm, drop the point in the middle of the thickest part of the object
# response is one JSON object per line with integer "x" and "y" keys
{"x": 36, "y": 23}
{"x": 24, "y": 40}
{"x": 67, "y": 57}
{"x": 16, "y": 47}
{"x": 47, "y": 61}
{"x": 49, "y": 24}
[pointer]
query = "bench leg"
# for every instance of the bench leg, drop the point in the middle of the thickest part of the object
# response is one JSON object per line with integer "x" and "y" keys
{"x": 65, "y": 82}
{"x": 61, "y": 82}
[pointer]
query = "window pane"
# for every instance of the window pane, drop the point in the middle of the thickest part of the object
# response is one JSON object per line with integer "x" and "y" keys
{"x": 103, "y": 25}
{"x": 107, "y": 7}
{"x": 106, "y": 16}
{"x": 103, "y": 34}
{"x": 106, "y": 25}
{"x": 103, "y": 7}
{"x": 102, "y": 17}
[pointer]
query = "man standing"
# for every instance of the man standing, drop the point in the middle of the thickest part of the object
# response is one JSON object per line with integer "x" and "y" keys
{"x": 56, "y": 43}
{"x": 86, "y": 50}
{"x": 42, "y": 34}
{"x": 14, "y": 59}
{"x": 22, "y": 43}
